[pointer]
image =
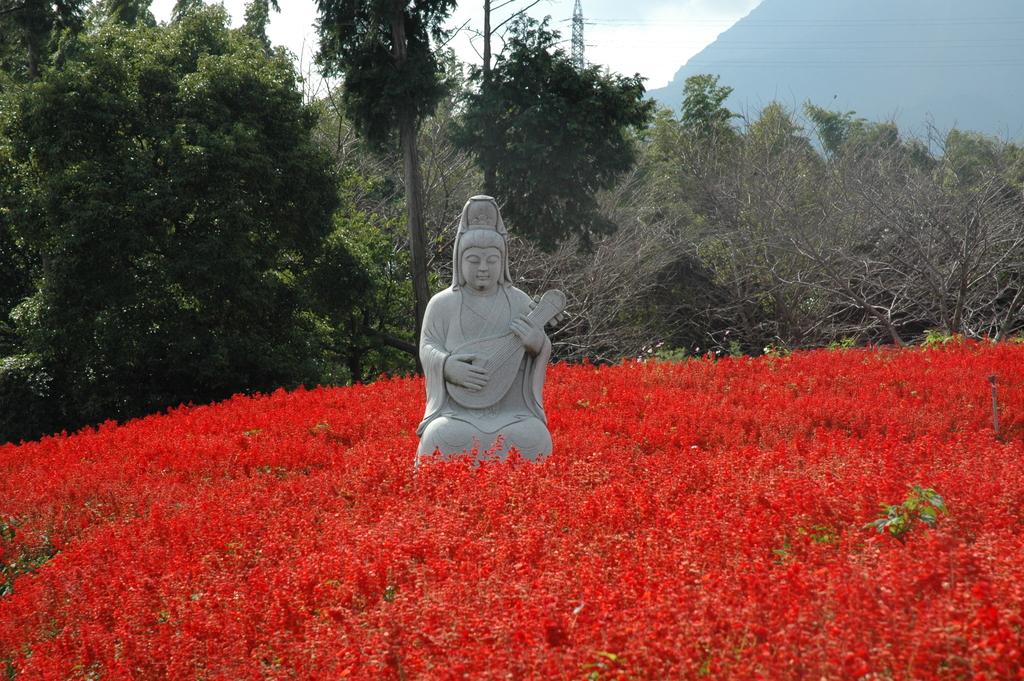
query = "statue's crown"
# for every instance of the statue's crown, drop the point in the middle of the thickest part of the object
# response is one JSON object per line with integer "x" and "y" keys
{"x": 478, "y": 215}
{"x": 481, "y": 212}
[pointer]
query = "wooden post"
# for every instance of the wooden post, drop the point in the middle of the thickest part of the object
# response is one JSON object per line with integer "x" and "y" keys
{"x": 995, "y": 405}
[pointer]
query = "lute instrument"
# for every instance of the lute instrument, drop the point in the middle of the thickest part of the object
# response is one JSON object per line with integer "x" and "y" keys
{"x": 501, "y": 356}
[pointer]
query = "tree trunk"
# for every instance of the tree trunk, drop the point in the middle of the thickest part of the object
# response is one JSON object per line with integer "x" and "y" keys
{"x": 354, "y": 353}
{"x": 413, "y": 183}
{"x": 33, "y": 59}
{"x": 487, "y": 40}
{"x": 961, "y": 292}
{"x": 489, "y": 171}
{"x": 1011, "y": 315}
{"x": 414, "y": 218}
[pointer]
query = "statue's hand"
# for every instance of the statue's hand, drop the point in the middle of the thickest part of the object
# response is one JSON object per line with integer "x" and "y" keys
{"x": 531, "y": 335}
{"x": 459, "y": 369}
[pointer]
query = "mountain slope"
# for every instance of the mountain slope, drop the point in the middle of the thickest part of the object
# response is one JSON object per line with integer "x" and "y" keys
{"x": 913, "y": 61}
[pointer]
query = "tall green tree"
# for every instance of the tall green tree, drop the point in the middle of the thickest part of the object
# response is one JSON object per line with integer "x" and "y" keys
{"x": 257, "y": 16}
{"x": 29, "y": 32}
{"x": 184, "y": 7}
{"x": 969, "y": 156}
{"x": 554, "y": 135}
{"x": 835, "y": 128}
{"x": 181, "y": 211}
{"x": 16, "y": 264}
{"x": 704, "y": 110}
{"x": 492, "y": 28}
{"x": 842, "y": 133}
{"x": 129, "y": 12}
{"x": 393, "y": 79}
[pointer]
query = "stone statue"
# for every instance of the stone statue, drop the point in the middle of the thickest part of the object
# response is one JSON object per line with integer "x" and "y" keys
{"x": 484, "y": 350}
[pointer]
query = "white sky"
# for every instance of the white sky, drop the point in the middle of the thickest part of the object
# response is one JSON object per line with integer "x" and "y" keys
{"x": 651, "y": 37}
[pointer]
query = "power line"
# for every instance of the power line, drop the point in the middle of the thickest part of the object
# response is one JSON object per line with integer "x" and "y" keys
{"x": 815, "y": 44}
{"x": 839, "y": 64}
{"x": 951, "y": 21}
{"x": 815, "y": 47}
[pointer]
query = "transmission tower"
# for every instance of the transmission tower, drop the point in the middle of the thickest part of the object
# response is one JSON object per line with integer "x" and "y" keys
{"x": 577, "y": 37}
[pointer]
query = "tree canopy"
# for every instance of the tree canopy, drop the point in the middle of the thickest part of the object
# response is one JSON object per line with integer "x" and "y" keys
{"x": 704, "y": 111}
{"x": 30, "y": 30}
{"x": 383, "y": 49}
{"x": 393, "y": 79}
{"x": 554, "y": 134}
{"x": 178, "y": 209}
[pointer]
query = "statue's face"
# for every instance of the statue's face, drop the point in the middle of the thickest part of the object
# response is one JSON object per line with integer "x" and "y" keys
{"x": 481, "y": 267}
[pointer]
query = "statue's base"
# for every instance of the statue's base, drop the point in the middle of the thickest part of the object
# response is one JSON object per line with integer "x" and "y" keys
{"x": 453, "y": 437}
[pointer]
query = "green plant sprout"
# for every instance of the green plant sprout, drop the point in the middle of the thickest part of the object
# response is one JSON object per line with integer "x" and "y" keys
{"x": 844, "y": 343}
{"x": 921, "y": 504}
{"x": 936, "y": 338}
{"x": 604, "y": 661}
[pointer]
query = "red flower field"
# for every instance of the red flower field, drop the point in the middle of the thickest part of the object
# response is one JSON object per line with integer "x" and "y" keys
{"x": 705, "y": 519}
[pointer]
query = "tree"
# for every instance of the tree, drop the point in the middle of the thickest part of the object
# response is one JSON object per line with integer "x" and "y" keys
{"x": 874, "y": 240}
{"x": 16, "y": 264}
{"x": 969, "y": 156}
{"x": 834, "y": 127}
{"x": 184, "y": 7}
{"x": 393, "y": 80}
{"x": 29, "y": 29}
{"x": 840, "y": 132}
{"x": 379, "y": 336}
{"x": 489, "y": 32}
{"x": 616, "y": 288}
{"x": 704, "y": 110}
{"x": 257, "y": 16}
{"x": 555, "y": 135}
{"x": 129, "y": 12}
{"x": 180, "y": 208}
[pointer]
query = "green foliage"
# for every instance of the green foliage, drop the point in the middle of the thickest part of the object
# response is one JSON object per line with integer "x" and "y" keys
{"x": 777, "y": 134}
{"x": 357, "y": 41}
{"x": 673, "y": 163}
{"x": 841, "y": 133}
{"x": 183, "y": 8}
{"x": 969, "y": 156}
{"x": 257, "y": 16}
{"x": 31, "y": 406}
{"x": 820, "y": 534}
{"x": 924, "y": 505}
{"x": 844, "y": 343}
{"x": 364, "y": 338}
{"x": 24, "y": 560}
{"x": 834, "y": 127}
{"x": 179, "y": 209}
{"x": 129, "y": 12}
{"x": 937, "y": 338}
{"x": 663, "y": 354}
{"x": 605, "y": 665}
{"x": 392, "y": 80}
{"x": 554, "y": 134}
{"x": 382, "y": 314}
{"x": 378, "y": 335}
{"x": 30, "y": 31}
{"x": 704, "y": 111}
{"x": 16, "y": 263}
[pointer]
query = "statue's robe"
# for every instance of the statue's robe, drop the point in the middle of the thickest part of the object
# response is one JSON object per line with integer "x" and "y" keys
{"x": 454, "y": 317}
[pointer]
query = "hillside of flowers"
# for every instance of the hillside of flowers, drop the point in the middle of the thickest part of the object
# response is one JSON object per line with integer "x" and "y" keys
{"x": 701, "y": 519}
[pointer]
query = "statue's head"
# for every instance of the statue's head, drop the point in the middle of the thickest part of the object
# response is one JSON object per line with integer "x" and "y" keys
{"x": 481, "y": 229}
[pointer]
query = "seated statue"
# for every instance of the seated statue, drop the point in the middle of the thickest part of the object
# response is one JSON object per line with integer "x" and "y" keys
{"x": 484, "y": 351}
